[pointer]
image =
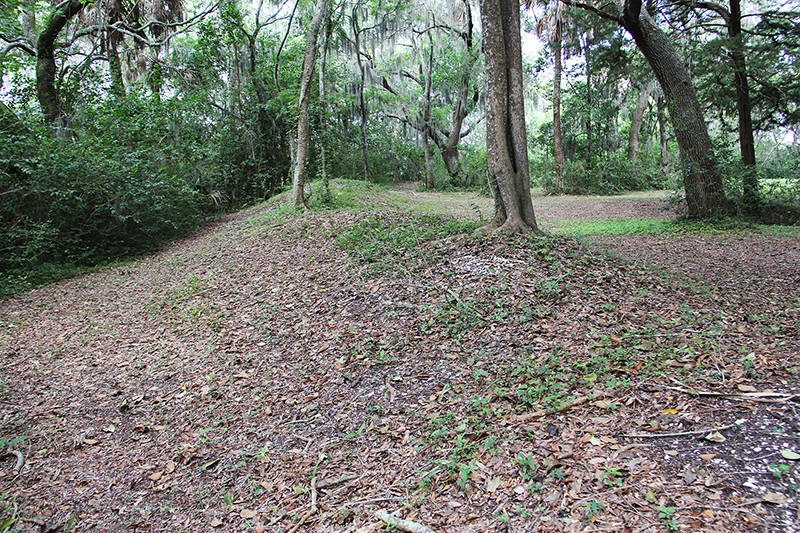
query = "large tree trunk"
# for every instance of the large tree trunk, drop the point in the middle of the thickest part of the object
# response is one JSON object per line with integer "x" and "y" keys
{"x": 46, "y": 64}
{"x": 558, "y": 142}
{"x": 636, "y": 121}
{"x": 705, "y": 196}
{"x": 309, "y": 61}
{"x": 506, "y": 142}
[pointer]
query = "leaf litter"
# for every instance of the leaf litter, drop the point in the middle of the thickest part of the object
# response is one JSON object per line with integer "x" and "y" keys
{"x": 269, "y": 381}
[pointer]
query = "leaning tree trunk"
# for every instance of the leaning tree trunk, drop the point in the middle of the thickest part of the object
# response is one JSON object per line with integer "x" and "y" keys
{"x": 506, "y": 143}
{"x": 310, "y": 59}
{"x": 46, "y": 64}
{"x": 705, "y": 196}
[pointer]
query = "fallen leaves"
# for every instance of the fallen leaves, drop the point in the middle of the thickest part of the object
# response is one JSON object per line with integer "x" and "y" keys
{"x": 224, "y": 417}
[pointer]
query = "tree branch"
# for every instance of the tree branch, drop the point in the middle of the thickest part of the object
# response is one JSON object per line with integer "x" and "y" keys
{"x": 23, "y": 45}
{"x": 596, "y": 11}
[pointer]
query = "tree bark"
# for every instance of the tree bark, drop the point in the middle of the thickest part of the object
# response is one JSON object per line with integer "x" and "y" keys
{"x": 743, "y": 107}
{"x": 309, "y": 61}
{"x": 426, "y": 119}
{"x": 705, "y": 196}
{"x": 361, "y": 100}
{"x": 636, "y": 121}
{"x": 662, "y": 135}
{"x": 506, "y": 142}
{"x": 46, "y": 64}
{"x": 558, "y": 142}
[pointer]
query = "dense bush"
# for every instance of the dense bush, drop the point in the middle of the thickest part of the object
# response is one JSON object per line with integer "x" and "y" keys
{"x": 778, "y": 196}
{"x": 614, "y": 174}
{"x": 109, "y": 193}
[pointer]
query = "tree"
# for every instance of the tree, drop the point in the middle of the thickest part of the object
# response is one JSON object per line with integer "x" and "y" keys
{"x": 454, "y": 83}
{"x": 506, "y": 140}
{"x": 309, "y": 61}
{"x": 705, "y": 196}
{"x": 732, "y": 19}
{"x": 552, "y": 26}
{"x": 46, "y": 64}
{"x": 645, "y": 91}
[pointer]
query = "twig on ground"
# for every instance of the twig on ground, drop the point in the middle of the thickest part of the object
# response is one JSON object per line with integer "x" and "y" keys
{"x": 762, "y": 397}
{"x": 405, "y": 525}
{"x": 311, "y": 511}
{"x": 314, "y": 494}
{"x": 375, "y": 500}
{"x": 681, "y": 434}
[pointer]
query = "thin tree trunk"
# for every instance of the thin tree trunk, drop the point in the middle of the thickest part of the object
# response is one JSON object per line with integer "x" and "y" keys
{"x": 115, "y": 69}
{"x": 588, "y": 124}
{"x": 323, "y": 114}
{"x": 426, "y": 119}
{"x": 662, "y": 135}
{"x": 636, "y": 121}
{"x": 309, "y": 61}
{"x": 558, "y": 146}
{"x": 746, "y": 138}
{"x": 450, "y": 154}
{"x": 362, "y": 102}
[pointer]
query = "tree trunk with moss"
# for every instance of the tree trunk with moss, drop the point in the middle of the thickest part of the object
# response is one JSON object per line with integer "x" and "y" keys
{"x": 46, "y": 90}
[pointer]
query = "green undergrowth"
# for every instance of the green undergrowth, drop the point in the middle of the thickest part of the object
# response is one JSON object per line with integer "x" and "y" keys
{"x": 340, "y": 194}
{"x": 669, "y": 227}
{"x": 388, "y": 242}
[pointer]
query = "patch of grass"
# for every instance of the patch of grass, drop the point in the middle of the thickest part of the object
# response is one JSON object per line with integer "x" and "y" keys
{"x": 394, "y": 243}
{"x": 668, "y": 227}
{"x": 619, "y": 227}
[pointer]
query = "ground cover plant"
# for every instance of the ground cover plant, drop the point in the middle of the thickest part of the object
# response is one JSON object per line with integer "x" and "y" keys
{"x": 339, "y": 369}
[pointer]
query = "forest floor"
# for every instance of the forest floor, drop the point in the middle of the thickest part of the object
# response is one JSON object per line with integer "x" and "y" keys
{"x": 290, "y": 373}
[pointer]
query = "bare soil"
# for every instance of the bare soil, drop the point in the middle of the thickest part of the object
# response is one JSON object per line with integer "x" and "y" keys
{"x": 253, "y": 378}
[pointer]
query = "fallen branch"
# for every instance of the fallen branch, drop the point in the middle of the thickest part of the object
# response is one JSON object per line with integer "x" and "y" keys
{"x": 762, "y": 397}
{"x": 681, "y": 434}
{"x": 399, "y": 523}
{"x": 19, "y": 456}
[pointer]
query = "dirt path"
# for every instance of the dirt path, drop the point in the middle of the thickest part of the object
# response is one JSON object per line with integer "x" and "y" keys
{"x": 252, "y": 378}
